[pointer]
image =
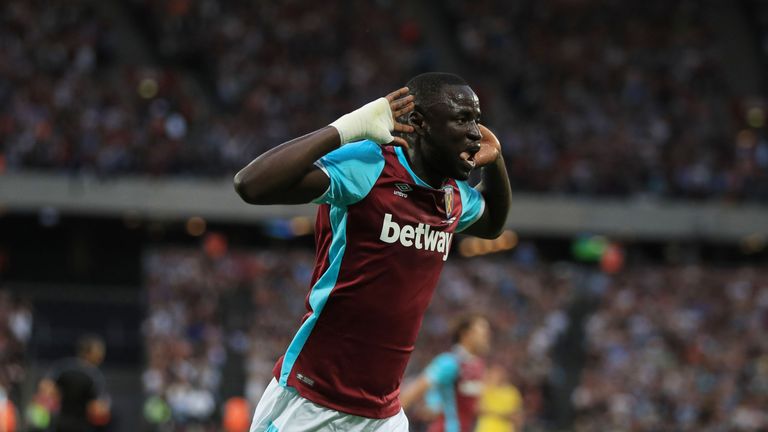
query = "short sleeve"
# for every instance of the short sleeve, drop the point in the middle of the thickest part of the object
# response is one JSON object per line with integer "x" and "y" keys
{"x": 444, "y": 370}
{"x": 472, "y": 205}
{"x": 353, "y": 170}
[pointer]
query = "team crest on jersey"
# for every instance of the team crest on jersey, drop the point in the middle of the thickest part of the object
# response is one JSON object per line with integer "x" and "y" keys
{"x": 448, "y": 191}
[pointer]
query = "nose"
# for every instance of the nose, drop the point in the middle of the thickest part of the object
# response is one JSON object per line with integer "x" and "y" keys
{"x": 474, "y": 132}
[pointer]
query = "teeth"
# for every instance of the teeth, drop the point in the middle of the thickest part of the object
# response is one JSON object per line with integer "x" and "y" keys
{"x": 468, "y": 158}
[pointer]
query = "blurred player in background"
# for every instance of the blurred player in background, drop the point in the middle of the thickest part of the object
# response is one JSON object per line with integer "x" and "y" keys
{"x": 389, "y": 207}
{"x": 453, "y": 381}
{"x": 79, "y": 386}
{"x": 501, "y": 406}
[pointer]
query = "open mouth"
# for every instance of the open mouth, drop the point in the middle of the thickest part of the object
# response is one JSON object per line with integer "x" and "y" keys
{"x": 468, "y": 159}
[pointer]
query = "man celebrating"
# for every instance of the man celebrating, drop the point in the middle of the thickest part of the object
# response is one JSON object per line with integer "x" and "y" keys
{"x": 389, "y": 207}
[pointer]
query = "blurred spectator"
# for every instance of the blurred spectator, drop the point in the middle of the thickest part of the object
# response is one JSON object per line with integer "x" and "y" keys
{"x": 501, "y": 405}
{"x": 681, "y": 348}
{"x": 610, "y": 98}
{"x": 80, "y": 389}
{"x": 15, "y": 330}
{"x": 606, "y": 99}
{"x": 188, "y": 334}
{"x": 63, "y": 107}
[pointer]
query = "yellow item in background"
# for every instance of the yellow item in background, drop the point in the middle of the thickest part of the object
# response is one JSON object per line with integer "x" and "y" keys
{"x": 496, "y": 408}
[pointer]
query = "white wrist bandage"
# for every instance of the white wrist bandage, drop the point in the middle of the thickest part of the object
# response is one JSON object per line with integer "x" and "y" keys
{"x": 372, "y": 121}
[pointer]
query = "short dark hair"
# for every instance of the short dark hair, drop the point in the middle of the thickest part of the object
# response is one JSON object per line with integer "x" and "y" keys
{"x": 427, "y": 87}
{"x": 463, "y": 324}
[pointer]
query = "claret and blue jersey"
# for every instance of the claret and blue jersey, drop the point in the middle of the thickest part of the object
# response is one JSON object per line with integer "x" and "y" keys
{"x": 455, "y": 379}
{"x": 382, "y": 236}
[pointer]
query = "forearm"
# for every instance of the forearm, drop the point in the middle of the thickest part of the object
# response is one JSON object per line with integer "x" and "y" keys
{"x": 497, "y": 193}
{"x": 414, "y": 391}
{"x": 283, "y": 166}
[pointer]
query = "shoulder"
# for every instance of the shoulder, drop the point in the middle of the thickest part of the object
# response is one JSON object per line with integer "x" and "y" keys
{"x": 365, "y": 152}
{"x": 446, "y": 357}
{"x": 353, "y": 170}
{"x": 464, "y": 188}
{"x": 443, "y": 368}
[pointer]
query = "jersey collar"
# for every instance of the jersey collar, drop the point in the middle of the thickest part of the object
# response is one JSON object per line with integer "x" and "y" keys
{"x": 462, "y": 352}
{"x": 404, "y": 162}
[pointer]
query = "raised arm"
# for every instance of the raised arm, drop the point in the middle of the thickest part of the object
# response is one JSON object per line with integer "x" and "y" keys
{"x": 286, "y": 174}
{"x": 494, "y": 187}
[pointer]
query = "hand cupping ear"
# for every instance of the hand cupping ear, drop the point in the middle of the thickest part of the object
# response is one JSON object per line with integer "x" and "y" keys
{"x": 372, "y": 121}
{"x": 376, "y": 120}
{"x": 490, "y": 147}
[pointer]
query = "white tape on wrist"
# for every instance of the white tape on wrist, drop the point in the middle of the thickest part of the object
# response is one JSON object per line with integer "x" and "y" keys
{"x": 371, "y": 121}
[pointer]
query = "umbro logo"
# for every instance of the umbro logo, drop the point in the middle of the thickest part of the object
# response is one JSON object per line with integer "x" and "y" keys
{"x": 305, "y": 379}
{"x": 401, "y": 189}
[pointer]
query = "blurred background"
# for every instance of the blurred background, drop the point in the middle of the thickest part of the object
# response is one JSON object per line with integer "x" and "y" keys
{"x": 629, "y": 293}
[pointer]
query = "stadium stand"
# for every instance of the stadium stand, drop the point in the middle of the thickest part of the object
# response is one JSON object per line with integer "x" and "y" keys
{"x": 612, "y": 101}
{"x": 678, "y": 347}
{"x": 668, "y": 345}
{"x": 249, "y": 302}
{"x": 591, "y": 98}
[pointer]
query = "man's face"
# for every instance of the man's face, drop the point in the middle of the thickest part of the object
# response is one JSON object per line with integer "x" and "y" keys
{"x": 452, "y": 135}
{"x": 479, "y": 337}
{"x": 96, "y": 354}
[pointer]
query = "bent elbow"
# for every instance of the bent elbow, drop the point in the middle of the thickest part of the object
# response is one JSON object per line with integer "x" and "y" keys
{"x": 242, "y": 189}
{"x": 239, "y": 185}
{"x": 492, "y": 232}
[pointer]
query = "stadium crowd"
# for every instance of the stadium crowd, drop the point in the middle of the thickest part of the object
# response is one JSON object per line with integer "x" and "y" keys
{"x": 251, "y": 303}
{"x": 65, "y": 104}
{"x": 681, "y": 347}
{"x": 605, "y": 98}
{"x": 678, "y": 348}
{"x": 615, "y": 98}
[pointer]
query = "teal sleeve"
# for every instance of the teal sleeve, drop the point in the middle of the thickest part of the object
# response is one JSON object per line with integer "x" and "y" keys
{"x": 472, "y": 205}
{"x": 353, "y": 170}
{"x": 444, "y": 370}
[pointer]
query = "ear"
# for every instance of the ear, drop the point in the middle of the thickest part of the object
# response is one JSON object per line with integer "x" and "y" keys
{"x": 416, "y": 119}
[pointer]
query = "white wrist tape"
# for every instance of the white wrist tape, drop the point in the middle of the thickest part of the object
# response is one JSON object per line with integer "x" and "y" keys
{"x": 372, "y": 121}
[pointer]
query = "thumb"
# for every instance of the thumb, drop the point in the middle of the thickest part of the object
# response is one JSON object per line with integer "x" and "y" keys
{"x": 382, "y": 136}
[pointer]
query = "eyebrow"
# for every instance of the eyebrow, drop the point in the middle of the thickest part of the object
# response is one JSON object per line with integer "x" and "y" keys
{"x": 465, "y": 110}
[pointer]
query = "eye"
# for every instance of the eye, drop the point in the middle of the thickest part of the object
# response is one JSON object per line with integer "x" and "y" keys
{"x": 462, "y": 120}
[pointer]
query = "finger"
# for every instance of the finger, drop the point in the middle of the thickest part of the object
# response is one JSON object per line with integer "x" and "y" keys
{"x": 400, "y": 127}
{"x": 400, "y": 142}
{"x": 397, "y": 94}
{"x": 399, "y": 103}
{"x": 404, "y": 110}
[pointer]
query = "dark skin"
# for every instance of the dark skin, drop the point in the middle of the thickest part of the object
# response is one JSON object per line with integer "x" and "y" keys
{"x": 449, "y": 142}
{"x": 444, "y": 140}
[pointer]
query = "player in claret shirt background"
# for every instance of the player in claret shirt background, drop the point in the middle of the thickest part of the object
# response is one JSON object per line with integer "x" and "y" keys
{"x": 388, "y": 209}
{"x": 453, "y": 381}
